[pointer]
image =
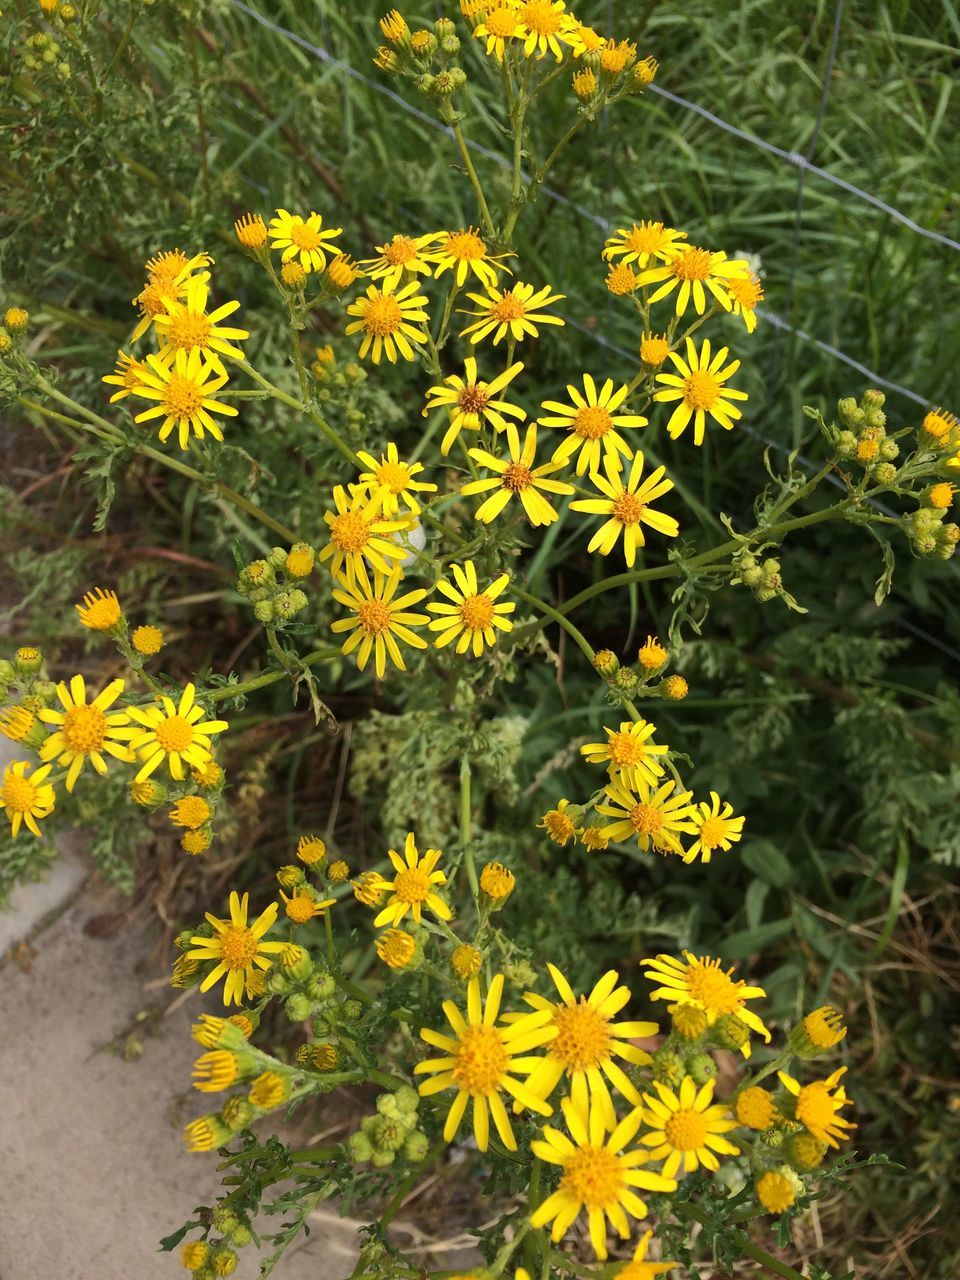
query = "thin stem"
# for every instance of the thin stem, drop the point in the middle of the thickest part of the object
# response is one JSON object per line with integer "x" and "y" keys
{"x": 468, "y": 165}
{"x": 268, "y": 677}
{"x": 556, "y": 616}
{"x": 466, "y": 830}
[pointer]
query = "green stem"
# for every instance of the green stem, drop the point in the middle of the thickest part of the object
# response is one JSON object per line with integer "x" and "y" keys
{"x": 468, "y": 165}
{"x": 556, "y": 616}
{"x": 267, "y": 677}
{"x": 466, "y": 830}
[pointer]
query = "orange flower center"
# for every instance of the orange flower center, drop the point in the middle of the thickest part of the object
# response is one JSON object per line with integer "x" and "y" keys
{"x": 482, "y": 1061}
{"x": 715, "y": 989}
{"x": 592, "y": 422}
{"x": 395, "y": 475}
{"x": 646, "y": 820}
{"x": 628, "y": 508}
{"x": 412, "y": 886}
{"x": 467, "y": 245}
{"x": 713, "y": 832}
{"x": 648, "y": 237}
{"x": 593, "y": 1177}
{"x": 472, "y": 400}
{"x": 350, "y": 532}
{"x": 400, "y": 251}
{"x": 626, "y": 749}
{"x": 540, "y": 16}
{"x": 18, "y": 794}
{"x": 502, "y": 22}
{"x": 182, "y": 396}
{"x": 477, "y": 611}
{"x": 516, "y": 477}
{"x": 747, "y": 292}
{"x": 508, "y": 308}
{"x": 238, "y": 946}
{"x": 583, "y": 1037}
{"x": 188, "y": 329}
{"x": 701, "y": 390}
{"x": 84, "y": 729}
{"x": 383, "y": 315}
{"x": 686, "y": 1130}
{"x": 174, "y": 733}
{"x": 374, "y": 617}
{"x": 304, "y": 236}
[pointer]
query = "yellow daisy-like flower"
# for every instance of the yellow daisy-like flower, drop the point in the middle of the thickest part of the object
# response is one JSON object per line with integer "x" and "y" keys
{"x": 414, "y": 886}
{"x": 517, "y": 478}
{"x": 592, "y": 421}
{"x": 84, "y": 731}
{"x": 616, "y": 57}
{"x": 472, "y": 402}
{"x": 237, "y": 947}
{"x": 701, "y": 981}
{"x": 185, "y": 392}
{"x": 359, "y": 532}
{"x": 387, "y": 318}
{"x": 500, "y": 24}
{"x": 472, "y": 615}
{"x": 147, "y": 640}
{"x": 269, "y": 1090}
{"x": 251, "y": 230}
{"x": 100, "y": 610}
{"x": 755, "y": 1108}
{"x": 396, "y": 948}
{"x": 172, "y": 733}
{"x": 692, "y": 272}
{"x": 644, "y": 242}
{"x": 775, "y": 1191}
{"x": 581, "y": 38}
{"x": 653, "y": 817}
{"x": 399, "y": 255}
{"x": 127, "y": 375}
{"x": 558, "y": 824}
{"x": 626, "y": 504}
{"x": 186, "y": 327}
{"x": 515, "y": 312}
{"x": 464, "y": 252}
{"x": 629, "y": 754}
{"x": 303, "y": 239}
{"x": 191, "y": 812}
{"x": 311, "y": 850}
{"x": 700, "y": 390}
{"x": 685, "y": 1130}
{"x": 745, "y": 292}
{"x": 652, "y": 655}
{"x": 301, "y": 907}
{"x": 391, "y": 481}
{"x": 544, "y": 27}
{"x": 654, "y": 349}
{"x": 716, "y": 829}
{"x": 482, "y": 1060}
{"x": 587, "y": 1043}
{"x": 379, "y": 620}
{"x": 817, "y": 1105}
{"x": 25, "y": 799}
{"x": 167, "y": 277}
{"x": 639, "y": 1268}
{"x": 600, "y": 1173}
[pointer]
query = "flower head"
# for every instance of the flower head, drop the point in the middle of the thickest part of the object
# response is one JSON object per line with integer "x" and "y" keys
{"x": 414, "y": 886}
{"x": 544, "y": 27}
{"x": 745, "y": 292}
{"x": 472, "y": 402}
{"x": 464, "y": 253}
{"x": 644, "y": 242}
{"x": 775, "y": 1191}
{"x": 185, "y": 326}
{"x": 358, "y": 532}
{"x": 301, "y": 907}
{"x": 482, "y": 1060}
{"x": 693, "y": 272}
{"x": 402, "y": 254}
{"x": 699, "y": 388}
{"x": 756, "y": 1108}
{"x": 100, "y": 610}
{"x": 500, "y": 23}
{"x": 388, "y": 318}
{"x": 625, "y": 501}
{"x": 497, "y": 881}
{"x": 716, "y": 829}
{"x": 391, "y": 481}
{"x": 311, "y": 849}
{"x": 396, "y": 948}
{"x": 513, "y": 312}
{"x": 818, "y": 1032}
{"x": 147, "y": 640}
{"x": 655, "y": 818}
{"x": 701, "y": 981}
{"x": 173, "y": 733}
{"x": 237, "y": 947}
{"x": 26, "y": 796}
{"x": 558, "y": 824}
{"x": 85, "y": 730}
{"x": 639, "y": 1268}
{"x": 817, "y": 1105}
{"x": 303, "y": 239}
{"x": 379, "y": 618}
{"x": 185, "y": 391}
{"x": 191, "y": 812}
{"x": 517, "y": 478}
{"x": 685, "y": 1129}
{"x": 599, "y": 1173}
{"x": 472, "y": 616}
{"x": 652, "y": 654}
{"x": 629, "y": 754}
{"x": 168, "y": 275}
{"x": 251, "y": 231}
{"x": 592, "y": 421}
{"x": 127, "y": 375}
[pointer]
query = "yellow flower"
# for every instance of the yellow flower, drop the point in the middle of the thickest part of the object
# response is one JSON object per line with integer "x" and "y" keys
{"x": 175, "y": 733}
{"x": 195, "y": 842}
{"x": 685, "y": 1130}
{"x": 629, "y": 754}
{"x": 251, "y": 231}
{"x": 399, "y": 255}
{"x": 84, "y": 730}
{"x": 147, "y": 640}
{"x": 186, "y": 327}
{"x": 387, "y": 319}
{"x": 700, "y": 390}
{"x": 514, "y": 312}
{"x": 558, "y": 825}
{"x": 621, "y": 280}
{"x": 301, "y": 907}
{"x": 689, "y": 1021}
{"x": 343, "y": 272}
{"x": 20, "y": 724}
{"x": 194, "y": 1254}
{"x": 654, "y": 349}
{"x": 544, "y": 27}
{"x": 593, "y": 839}
{"x": 190, "y": 811}
{"x": 269, "y": 1090}
{"x": 466, "y": 961}
{"x": 357, "y": 533}
{"x": 626, "y": 504}
{"x": 126, "y": 376}
{"x": 585, "y": 85}
{"x": 311, "y": 849}
{"x": 676, "y": 688}
{"x": 100, "y": 610}
{"x": 692, "y": 272}
{"x": 745, "y": 292}
{"x": 643, "y": 242}
{"x": 463, "y": 252}
{"x": 207, "y": 1133}
{"x": 394, "y": 26}
{"x": 293, "y": 275}
{"x": 816, "y": 1106}
{"x": 414, "y": 885}
{"x": 396, "y": 948}
{"x": 497, "y": 881}
{"x": 303, "y": 239}
{"x": 472, "y": 615}
{"x": 599, "y": 1174}
{"x": 639, "y": 1268}
{"x": 370, "y": 888}
{"x": 517, "y": 478}
{"x": 472, "y": 403}
{"x": 775, "y": 1192}
{"x": 756, "y": 1108}
{"x": 716, "y": 829}
{"x": 379, "y": 620}
{"x": 482, "y": 1060}
{"x": 701, "y": 981}
{"x": 389, "y": 480}
{"x": 646, "y": 70}
{"x": 167, "y": 277}
{"x": 819, "y": 1031}
{"x": 185, "y": 393}
{"x": 941, "y": 427}
{"x": 500, "y": 24}
{"x": 581, "y": 38}
{"x": 25, "y": 799}
{"x": 653, "y": 655}
{"x": 213, "y": 1072}
{"x": 300, "y": 560}
{"x": 592, "y": 421}
{"x": 237, "y": 947}
{"x": 654, "y": 817}
{"x": 587, "y": 1043}
{"x": 616, "y": 57}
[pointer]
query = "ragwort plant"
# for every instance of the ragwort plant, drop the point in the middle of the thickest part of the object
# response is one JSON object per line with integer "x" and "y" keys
{"x": 412, "y": 566}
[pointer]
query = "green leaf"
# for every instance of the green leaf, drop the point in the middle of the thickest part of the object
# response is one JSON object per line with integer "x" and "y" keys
{"x": 767, "y": 862}
{"x": 744, "y": 943}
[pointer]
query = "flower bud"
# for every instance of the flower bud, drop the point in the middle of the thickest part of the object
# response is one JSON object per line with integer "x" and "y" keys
{"x": 322, "y": 987}
{"x": 360, "y": 1147}
{"x": 466, "y": 961}
{"x": 804, "y": 1151}
{"x": 351, "y": 1010}
{"x": 416, "y": 1146}
{"x": 873, "y": 398}
{"x": 701, "y": 1067}
{"x": 298, "y": 1007}
{"x": 295, "y": 961}
{"x": 689, "y": 1021}
{"x": 728, "y": 1032}
{"x": 668, "y": 1066}
{"x": 605, "y": 661}
{"x": 28, "y": 660}
{"x": 240, "y": 1235}
{"x": 884, "y": 473}
{"x": 497, "y": 883}
{"x": 16, "y": 319}
{"x": 423, "y": 45}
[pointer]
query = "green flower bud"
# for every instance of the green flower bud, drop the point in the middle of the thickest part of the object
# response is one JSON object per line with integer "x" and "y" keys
{"x": 450, "y": 45}
{"x": 276, "y": 982}
{"x": 277, "y": 558}
{"x": 295, "y": 960}
{"x": 729, "y": 1032}
{"x": 846, "y": 444}
{"x": 884, "y": 473}
{"x": 425, "y": 84}
{"x": 408, "y": 1099}
{"x": 752, "y": 578}
{"x": 28, "y": 660}
{"x": 298, "y": 1007}
{"x": 351, "y": 1010}
{"x": 224, "y": 1218}
{"x": 701, "y": 1068}
{"x": 416, "y": 1146}
{"x": 873, "y": 398}
{"x": 264, "y": 611}
{"x": 360, "y": 1147}
{"x": 387, "y": 1105}
{"x": 889, "y": 450}
{"x": 7, "y": 671}
{"x": 240, "y": 1235}
{"x": 322, "y": 987}
{"x": 668, "y": 1066}
{"x": 626, "y": 680}
{"x": 847, "y": 408}
{"x": 320, "y": 1026}
{"x": 237, "y": 1113}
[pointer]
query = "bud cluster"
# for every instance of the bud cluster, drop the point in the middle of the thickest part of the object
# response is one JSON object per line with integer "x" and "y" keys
{"x": 44, "y": 57}
{"x": 762, "y": 577}
{"x": 426, "y": 55}
{"x": 863, "y": 437}
{"x": 391, "y": 1132}
{"x": 270, "y": 584}
{"x": 647, "y": 679}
